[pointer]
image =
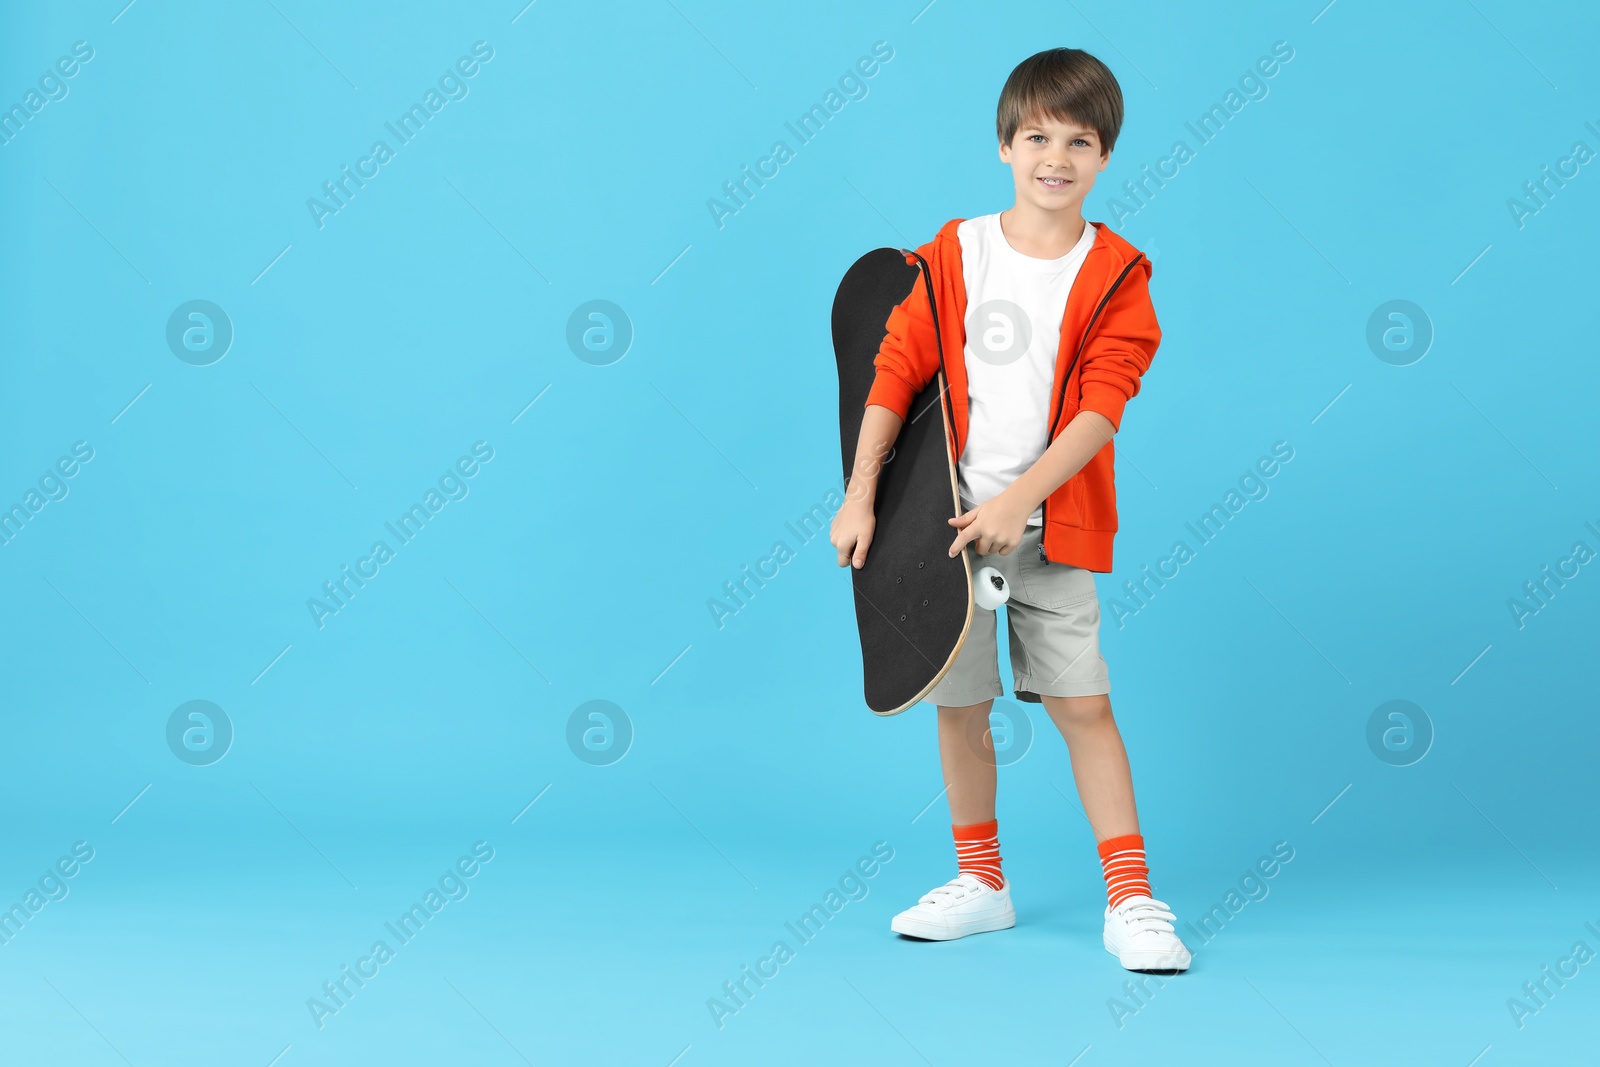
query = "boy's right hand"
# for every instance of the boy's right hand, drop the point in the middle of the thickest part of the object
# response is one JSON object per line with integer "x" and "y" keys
{"x": 851, "y": 533}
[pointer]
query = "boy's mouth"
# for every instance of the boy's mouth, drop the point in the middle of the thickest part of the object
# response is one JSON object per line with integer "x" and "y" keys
{"x": 1055, "y": 183}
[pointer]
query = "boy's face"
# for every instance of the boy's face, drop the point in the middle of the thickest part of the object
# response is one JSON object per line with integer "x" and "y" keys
{"x": 1054, "y": 163}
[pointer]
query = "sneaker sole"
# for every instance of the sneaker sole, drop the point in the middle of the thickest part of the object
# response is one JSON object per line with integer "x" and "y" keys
{"x": 927, "y": 931}
{"x": 1157, "y": 963}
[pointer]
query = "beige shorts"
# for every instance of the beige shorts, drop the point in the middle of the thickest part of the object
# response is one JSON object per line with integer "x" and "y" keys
{"x": 1053, "y": 618}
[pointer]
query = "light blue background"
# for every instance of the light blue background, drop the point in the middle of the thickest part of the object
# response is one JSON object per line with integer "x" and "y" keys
{"x": 370, "y": 353}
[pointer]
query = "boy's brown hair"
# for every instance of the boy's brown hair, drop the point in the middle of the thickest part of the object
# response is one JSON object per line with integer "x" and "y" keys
{"x": 1067, "y": 84}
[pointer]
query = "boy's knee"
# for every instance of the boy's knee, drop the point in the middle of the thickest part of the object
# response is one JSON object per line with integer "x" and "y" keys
{"x": 1079, "y": 711}
{"x": 967, "y": 712}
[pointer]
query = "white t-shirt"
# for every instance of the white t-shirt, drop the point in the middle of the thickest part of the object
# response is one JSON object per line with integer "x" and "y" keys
{"x": 1014, "y": 308}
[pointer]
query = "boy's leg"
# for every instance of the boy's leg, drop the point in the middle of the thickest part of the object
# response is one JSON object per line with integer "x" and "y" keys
{"x": 969, "y": 770}
{"x": 964, "y": 698}
{"x": 1139, "y": 929}
{"x": 1105, "y": 785}
{"x": 1099, "y": 763}
{"x": 966, "y": 753}
{"x": 1056, "y": 647}
{"x": 978, "y": 899}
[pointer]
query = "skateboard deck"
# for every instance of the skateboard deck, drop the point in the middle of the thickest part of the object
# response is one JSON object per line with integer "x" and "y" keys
{"x": 914, "y": 603}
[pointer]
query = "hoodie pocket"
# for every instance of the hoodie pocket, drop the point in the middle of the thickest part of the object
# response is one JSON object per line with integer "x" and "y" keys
{"x": 1094, "y": 499}
{"x": 1075, "y": 499}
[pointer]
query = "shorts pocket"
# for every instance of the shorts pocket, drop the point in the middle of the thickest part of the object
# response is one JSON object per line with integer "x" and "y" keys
{"x": 1056, "y": 585}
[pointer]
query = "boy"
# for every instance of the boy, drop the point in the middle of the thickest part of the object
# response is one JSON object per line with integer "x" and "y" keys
{"x": 1052, "y": 318}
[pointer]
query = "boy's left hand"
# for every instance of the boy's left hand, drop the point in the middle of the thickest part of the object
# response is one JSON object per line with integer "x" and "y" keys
{"x": 996, "y": 525}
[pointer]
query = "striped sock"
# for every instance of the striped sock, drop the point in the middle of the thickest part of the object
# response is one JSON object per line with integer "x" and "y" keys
{"x": 1123, "y": 861}
{"x": 978, "y": 851}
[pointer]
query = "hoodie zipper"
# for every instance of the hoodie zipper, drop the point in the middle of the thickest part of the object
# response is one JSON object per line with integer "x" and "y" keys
{"x": 1051, "y": 436}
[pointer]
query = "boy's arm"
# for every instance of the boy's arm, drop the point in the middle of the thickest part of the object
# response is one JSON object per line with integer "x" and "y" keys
{"x": 908, "y": 358}
{"x": 906, "y": 361}
{"x": 1117, "y": 357}
{"x": 1074, "y": 446}
{"x": 1113, "y": 363}
{"x": 879, "y": 428}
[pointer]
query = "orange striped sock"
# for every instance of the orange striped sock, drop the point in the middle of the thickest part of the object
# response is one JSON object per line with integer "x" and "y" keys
{"x": 1122, "y": 859}
{"x": 978, "y": 851}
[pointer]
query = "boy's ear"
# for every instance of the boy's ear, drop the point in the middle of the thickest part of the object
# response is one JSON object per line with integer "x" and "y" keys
{"x": 1005, "y": 152}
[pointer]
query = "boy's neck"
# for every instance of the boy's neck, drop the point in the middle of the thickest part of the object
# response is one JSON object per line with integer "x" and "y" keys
{"x": 1042, "y": 234}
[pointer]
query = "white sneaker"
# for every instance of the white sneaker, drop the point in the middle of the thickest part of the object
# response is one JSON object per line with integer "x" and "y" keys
{"x": 964, "y": 905}
{"x": 1139, "y": 933}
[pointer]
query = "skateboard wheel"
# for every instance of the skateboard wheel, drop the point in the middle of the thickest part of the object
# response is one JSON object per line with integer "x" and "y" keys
{"x": 989, "y": 588}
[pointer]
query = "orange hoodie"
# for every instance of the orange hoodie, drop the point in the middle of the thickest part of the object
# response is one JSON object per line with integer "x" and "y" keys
{"x": 1109, "y": 335}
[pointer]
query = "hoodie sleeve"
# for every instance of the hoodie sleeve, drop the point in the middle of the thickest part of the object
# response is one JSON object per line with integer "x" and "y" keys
{"x": 1121, "y": 349}
{"x": 907, "y": 359}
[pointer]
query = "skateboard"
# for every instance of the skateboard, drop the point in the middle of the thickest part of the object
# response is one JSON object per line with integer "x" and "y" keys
{"x": 914, "y": 603}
